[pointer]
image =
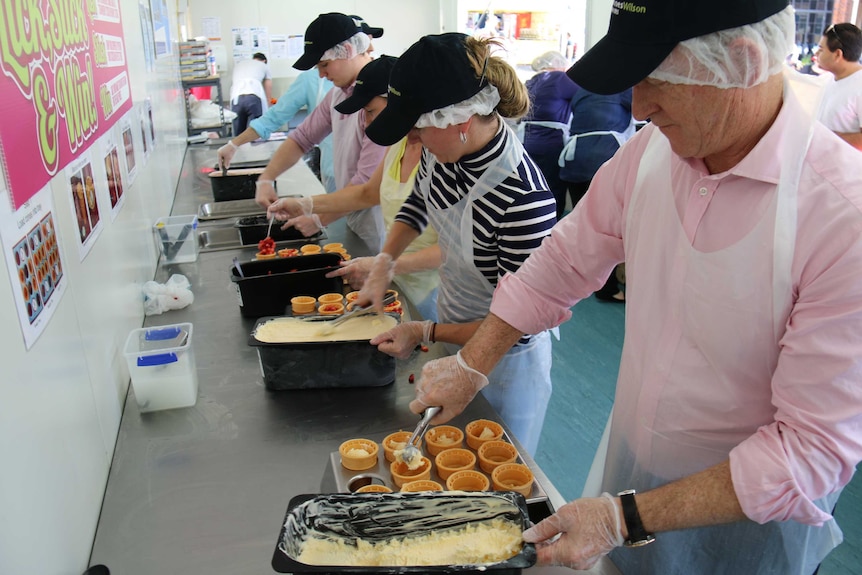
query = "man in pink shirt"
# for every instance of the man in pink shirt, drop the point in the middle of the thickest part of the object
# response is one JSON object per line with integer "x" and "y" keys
{"x": 340, "y": 46}
{"x": 738, "y": 410}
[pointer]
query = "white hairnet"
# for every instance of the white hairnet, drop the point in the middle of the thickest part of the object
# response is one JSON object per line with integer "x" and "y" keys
{"x": 736, "y": 58}
{"x": 350, "y": 48}
{"x": 482, "y": 103}
{"x": 552, "y": 60}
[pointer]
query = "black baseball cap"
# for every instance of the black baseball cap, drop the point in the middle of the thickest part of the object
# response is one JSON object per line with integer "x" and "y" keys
{"x": 372, "y": 80}
{"x": 433, "y": 73}
{"x": 643, "y": 32}
{"x": 370, "y": 30}
{"x": 327, "y": 31}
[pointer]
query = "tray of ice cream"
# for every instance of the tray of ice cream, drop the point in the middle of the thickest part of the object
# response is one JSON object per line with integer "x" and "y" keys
{"x": 303, "y": 352}
{"x": 426, "y": 532}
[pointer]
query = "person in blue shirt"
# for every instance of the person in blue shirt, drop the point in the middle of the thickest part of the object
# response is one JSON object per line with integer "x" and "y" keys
{"x": 306, "y": 91}
{"x": 546, "y": 128}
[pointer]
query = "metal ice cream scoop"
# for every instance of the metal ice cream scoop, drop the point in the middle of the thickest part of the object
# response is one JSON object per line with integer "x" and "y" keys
{"x": 410, "y": 451}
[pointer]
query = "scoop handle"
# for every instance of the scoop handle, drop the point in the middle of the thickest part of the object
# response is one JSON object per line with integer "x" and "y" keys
{"x": 427, "y": 416}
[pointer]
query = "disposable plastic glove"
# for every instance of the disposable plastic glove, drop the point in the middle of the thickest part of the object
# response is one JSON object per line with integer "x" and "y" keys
{"x": 377, "y": 282}
{"x": 225, "y": 154}
{"x": 264, "y": 193}
{"x": 589, "y": 528}
{"x": 307, "y": 225}
{"x": 450, "y": 383}
{"x": 356, "y": 271}
{"x": 284, "y": 209}
{"x": 401, "y": 340}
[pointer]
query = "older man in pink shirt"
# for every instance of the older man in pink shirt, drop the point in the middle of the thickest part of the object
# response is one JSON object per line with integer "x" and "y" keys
{"x": 738, "y": 411}
{"x": 340, "y": 46}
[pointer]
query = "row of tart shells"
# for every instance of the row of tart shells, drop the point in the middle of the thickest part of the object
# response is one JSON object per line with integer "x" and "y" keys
{"x": 454, "y": 464}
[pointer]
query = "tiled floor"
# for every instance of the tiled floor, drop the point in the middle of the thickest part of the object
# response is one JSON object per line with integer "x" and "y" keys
{"x": 586, "y": 360}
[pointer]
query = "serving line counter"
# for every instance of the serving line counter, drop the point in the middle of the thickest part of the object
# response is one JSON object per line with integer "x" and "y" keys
{"x": 203, "y": 490}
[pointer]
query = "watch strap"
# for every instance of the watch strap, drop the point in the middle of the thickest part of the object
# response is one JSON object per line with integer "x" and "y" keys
{"x": 638, "y": 536}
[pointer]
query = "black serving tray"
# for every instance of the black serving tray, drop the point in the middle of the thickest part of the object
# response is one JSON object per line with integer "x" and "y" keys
{"x": 386, "y": 515}
{"x": 252, "y": 229}
{"x": 269, "y": 284}
{"x": 322, "y": 365}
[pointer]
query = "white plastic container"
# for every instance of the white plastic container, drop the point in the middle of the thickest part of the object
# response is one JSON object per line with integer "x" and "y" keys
{"x": 162, "y": 367}
{"x": 176, "y": 238}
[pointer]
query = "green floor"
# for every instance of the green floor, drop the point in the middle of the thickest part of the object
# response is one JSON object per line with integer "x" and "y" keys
{"x": 586, "y": 360}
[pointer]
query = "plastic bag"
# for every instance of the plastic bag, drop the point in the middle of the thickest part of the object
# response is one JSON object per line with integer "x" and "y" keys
{"x": 176, "y": 293}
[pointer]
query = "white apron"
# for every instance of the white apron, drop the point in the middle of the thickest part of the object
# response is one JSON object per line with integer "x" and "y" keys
{"x": 658, "y": 432}
{"x": 419, "y": 287}
{"x": 367, "y": 223}
{"x": 520, "y": 386}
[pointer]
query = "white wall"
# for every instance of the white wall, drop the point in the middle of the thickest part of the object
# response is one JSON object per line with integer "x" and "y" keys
{"x": 61, "y": 401}
{"x": 404, "y": 22}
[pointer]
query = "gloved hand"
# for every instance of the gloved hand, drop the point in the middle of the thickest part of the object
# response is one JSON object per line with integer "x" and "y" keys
{"x": 401, "y": 340}
{"x": 589, "y": 528}
{"x": 285, "y": 208}
{"x": 377, "y": 282}
{"x": 225, "y": 154}
{"x": 307, "y": 225}
{"x": 264, "y": 193}
{"x": 450, "y": 383}
{"x": 356, "y": 270}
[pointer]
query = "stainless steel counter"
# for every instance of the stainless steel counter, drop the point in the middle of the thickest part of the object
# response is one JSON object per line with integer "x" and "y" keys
{"x": 203, "y": 490}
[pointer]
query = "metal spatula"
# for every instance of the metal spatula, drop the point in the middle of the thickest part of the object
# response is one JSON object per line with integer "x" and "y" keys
{"x": 329, "y": 325}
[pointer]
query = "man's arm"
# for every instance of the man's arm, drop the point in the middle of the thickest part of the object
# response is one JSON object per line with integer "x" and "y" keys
{"x": 267, "y": 89}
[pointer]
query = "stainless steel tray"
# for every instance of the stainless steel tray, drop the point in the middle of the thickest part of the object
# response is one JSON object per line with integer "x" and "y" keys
{"x": 229, "y": 209}
{"x": 233, "y": 208}
{"x": 227, "y": 238}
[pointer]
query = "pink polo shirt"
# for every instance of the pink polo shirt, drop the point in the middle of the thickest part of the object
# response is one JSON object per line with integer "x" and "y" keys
{"x": 806, "y": 433}
{"x": 355, "y": 155}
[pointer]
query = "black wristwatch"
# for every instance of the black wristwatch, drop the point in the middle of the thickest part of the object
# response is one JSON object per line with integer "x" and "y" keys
{"x": 638, "y": 536}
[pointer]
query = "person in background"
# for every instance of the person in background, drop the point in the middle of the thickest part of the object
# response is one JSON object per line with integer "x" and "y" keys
{"x": 250, "y": 90}
{"x": 338, "y": 45}
{"x": 485, "y": 197}
{"x": 306, "y": 91}
{"x": 601, "y": 123}
{"x": 392, "y": 181}
{"x": 546, "y": 128}
{"x": 738, "y": 411}
{"x": 840, "y": 50}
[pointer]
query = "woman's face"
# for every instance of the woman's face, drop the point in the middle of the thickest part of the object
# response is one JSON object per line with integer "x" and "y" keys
{"x": 444, "y": 143}
{"x": 374, "y": 107}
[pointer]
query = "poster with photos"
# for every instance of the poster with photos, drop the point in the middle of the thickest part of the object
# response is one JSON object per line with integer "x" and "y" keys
{"x": 84, "y": 201}
{"x": 114, "y": 175}
{"x": 34, "y": 262}
{"x": 128, "y": 142}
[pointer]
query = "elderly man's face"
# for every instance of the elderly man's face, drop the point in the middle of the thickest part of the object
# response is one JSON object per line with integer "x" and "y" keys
{"x": 699, "y": 121}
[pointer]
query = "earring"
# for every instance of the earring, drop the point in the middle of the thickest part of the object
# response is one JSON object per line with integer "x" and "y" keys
{"x": 463, "y": 137}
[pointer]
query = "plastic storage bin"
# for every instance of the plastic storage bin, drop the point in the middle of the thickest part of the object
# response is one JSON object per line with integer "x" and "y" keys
{"x": 162, "y": 367}
{"x": 176, "y": 238}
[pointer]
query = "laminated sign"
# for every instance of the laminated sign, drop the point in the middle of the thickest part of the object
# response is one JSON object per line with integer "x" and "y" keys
{"x": 64, "y": 84}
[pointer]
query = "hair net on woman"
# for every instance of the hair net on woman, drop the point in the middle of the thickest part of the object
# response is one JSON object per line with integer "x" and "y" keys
{"x": 552, "y": 60}
{"x": 350, "y": 48}
{"x": 483, "y": 103}
{"x": 735, "y": 58}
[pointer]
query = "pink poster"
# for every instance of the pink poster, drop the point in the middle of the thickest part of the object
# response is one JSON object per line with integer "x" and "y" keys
{"x": 64, "y": 83}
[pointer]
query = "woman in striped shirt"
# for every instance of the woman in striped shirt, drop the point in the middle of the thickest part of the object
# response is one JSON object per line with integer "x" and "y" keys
{"x": 485, "y": 197}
